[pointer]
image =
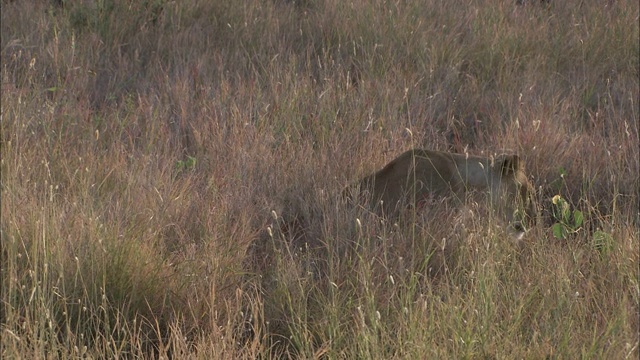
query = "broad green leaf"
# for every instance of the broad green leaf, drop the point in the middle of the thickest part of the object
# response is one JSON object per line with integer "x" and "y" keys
{"x": 578, "y": 218}
{"x": 558, "y": 231}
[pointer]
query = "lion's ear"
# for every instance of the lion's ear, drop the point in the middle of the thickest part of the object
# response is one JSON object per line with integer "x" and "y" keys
{"x": 508, "y": 164}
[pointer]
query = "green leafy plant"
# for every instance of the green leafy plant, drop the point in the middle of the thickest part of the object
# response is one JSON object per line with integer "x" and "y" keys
{"x": 602, "y": 242}
{"x": 188, "y": 164}
{"x": 567, "y": 222}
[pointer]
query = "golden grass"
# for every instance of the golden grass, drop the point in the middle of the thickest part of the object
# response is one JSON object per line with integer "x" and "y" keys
{"x": 171, "y": 172}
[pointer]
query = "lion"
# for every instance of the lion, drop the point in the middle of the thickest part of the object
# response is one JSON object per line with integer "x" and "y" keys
{"x": 418, "y": 175}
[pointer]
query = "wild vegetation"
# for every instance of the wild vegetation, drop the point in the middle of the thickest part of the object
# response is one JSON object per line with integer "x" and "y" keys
{"x": 171, "y": 175}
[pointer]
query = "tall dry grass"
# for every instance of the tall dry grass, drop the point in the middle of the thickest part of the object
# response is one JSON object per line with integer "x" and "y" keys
{"x": 171, "y": 174}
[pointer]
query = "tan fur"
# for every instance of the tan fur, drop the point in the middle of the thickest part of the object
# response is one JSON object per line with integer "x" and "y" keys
{"x": 419, "y": 175}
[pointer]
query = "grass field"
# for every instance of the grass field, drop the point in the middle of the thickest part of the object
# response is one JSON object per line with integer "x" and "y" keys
{"x": 171, "y": 175}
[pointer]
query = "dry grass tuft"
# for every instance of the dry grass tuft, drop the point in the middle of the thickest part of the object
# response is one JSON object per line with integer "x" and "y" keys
{"x": 145, "y": 145}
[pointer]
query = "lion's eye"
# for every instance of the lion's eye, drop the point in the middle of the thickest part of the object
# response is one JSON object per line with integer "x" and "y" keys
{"x": 517, "y": 226}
